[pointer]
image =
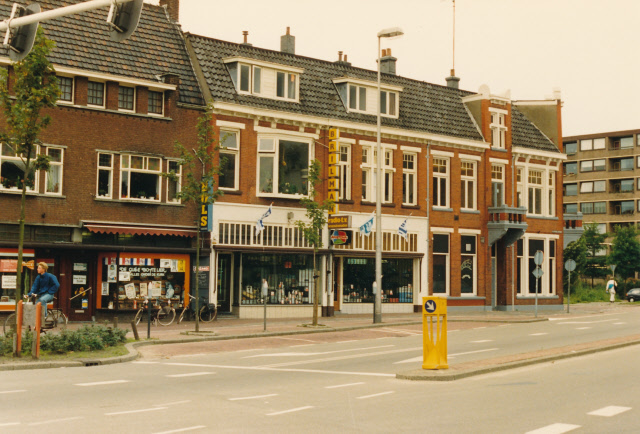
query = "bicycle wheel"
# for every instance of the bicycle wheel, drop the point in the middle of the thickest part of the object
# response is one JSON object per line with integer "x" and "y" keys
{"x": 138, "y": 316}
{"x": 208, "y": 312}
{"x": 182, "y": 315}
{"x": 57, "y": 317}
{"x": 166, "y": 315}
{"x": 9, "y": 323}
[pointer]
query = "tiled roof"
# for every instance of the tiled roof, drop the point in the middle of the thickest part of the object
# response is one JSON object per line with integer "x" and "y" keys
{"x": 525, "y": 134}
{"x": 82, "y": 41}
{"x": 424, "y": 107}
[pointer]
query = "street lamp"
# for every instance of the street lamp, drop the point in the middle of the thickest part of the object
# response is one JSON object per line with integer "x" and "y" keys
{"x": 392, "y": 32}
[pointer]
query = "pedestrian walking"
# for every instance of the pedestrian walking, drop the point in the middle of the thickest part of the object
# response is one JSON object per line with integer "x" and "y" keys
{"x": 612, "y": 292}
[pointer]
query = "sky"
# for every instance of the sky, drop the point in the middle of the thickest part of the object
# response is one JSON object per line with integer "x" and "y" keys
{"x": 588, "y": 49}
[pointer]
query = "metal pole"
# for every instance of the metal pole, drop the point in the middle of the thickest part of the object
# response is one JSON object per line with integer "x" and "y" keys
{"x": 569, "y": 293}
{"x": 537, "y": 280}
{"x": 377, "y": 305}
{"x": 57, "y": 13}
{"x": 264, "y": 298}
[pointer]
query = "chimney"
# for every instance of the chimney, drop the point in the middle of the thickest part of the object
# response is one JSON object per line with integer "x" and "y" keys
{"x": 245, "y": 34}
{"x": 388, "y": 62}
{"x": 172, "y": 7}
{"x": 342, "y": 61}
{"x": 452, "y": 81}
{"x": 288, "y": 43}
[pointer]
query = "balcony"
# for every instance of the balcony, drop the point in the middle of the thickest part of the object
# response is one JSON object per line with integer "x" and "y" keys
{"x": 572, "y": 228}
{"x": 506, "y": 223}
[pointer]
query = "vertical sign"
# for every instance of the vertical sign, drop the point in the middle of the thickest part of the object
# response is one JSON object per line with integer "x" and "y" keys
{"x": 334, "y": 158}
{"x": 206, "y": 222}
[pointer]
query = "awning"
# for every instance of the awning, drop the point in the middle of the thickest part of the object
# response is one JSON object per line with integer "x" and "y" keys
{"x": 140, "y": 230}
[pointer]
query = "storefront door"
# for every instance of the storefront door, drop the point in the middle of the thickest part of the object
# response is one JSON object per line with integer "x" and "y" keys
{"x": 79, "y": 298}
{"x": 336, "y": 283}
{"x": 224, "y": 282}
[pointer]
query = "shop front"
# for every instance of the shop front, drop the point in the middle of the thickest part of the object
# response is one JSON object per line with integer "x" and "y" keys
{"x": 8, "y": 275}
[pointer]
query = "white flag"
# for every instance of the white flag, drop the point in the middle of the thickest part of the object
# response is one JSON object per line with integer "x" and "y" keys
{"x": 259, "y": 223}
{"x": 402, "y": 230}
{"x": 367, "y": 227}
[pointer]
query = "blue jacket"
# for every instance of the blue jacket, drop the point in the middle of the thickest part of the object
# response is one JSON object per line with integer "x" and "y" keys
{"x": 45, "y": 283}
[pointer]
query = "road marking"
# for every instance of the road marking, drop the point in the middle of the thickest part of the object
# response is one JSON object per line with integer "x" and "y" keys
{"x": 399, "y": 331}
{"x": 266, "y": 368}
{"x": 586, "y": 316}
{"x": 296, "y": 339}
{"x": 478, "y": 328}
{"x": 142, "y": 410}
{"x": 44, "y": 422}
{"x": 253, "y": 397}
{"x": 481, "y": 341}
{"x": 346, "y": 342}
{"x": 583, "y": 328}
{"x": 172, "y": 403}
{"x": 10, "y": 424}
{"x": 556, "y": 428}
{"x": 191, "y": 428}
{"x": 538, "y": 334}
{"x": 318, "y": 353}
{"x": 375, "y": 395}
{"x": 612, "y": 410}
{"x": 102, "y": 383}
{"x": 12, "y": 391}
{"x": 332, "y": 359}
{"x": 420, "y": 358}
{"x": 304, "y": 345}
{"x": 343, "y": 385}
{"x": 192, "y": 374}
{"x": 587, "y": 322}
{"x": 619, "y": 323}
{"x": 290, "y": 411}
{"x": 145, "y": 363}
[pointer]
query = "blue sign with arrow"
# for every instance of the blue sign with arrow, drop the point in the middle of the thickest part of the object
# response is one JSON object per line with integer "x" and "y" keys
{"x": 430, "y": 306}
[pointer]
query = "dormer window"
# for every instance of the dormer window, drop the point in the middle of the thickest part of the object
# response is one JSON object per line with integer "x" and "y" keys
{"x": 498, "y": 128}
{"x": 360, "y": 96}
{"x": 357, "y": 98}
{"x": 388, "y": 103}
{"x": 264, "y": 79}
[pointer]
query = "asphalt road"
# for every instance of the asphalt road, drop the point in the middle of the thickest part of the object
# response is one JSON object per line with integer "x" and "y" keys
{"x": 341, "y": 382}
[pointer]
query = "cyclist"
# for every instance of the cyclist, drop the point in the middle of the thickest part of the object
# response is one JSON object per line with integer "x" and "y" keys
{"x": 44, "y": 287}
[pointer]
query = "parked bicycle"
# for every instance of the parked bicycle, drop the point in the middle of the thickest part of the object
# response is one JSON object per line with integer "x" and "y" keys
{"x": 208, "y": 311}
{"x": 55, "y": 317}
{"x": 164, "y": 314}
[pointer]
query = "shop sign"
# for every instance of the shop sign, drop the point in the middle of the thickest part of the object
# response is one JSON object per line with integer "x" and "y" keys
{"x": 8, "y": 265}
{"x": 339, "y": 222}
{"x": 9, "y": 281}
{"x": 341, "y": 238}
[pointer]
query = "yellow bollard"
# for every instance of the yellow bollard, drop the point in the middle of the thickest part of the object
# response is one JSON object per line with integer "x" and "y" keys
{"x": 434, "y": 333}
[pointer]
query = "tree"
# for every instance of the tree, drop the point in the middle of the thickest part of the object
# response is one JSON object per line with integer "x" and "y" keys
{"x": 596, "y": 264}
{"x": 625, "y": 251}
{"x": 198, "y": 181}
{"x": 34, "y": 88}
{"x": 312, "y": 229}
{"x": 576, "y": 250}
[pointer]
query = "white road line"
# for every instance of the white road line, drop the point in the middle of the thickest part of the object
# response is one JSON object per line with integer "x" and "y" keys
{"x": 253, "y": 397}
{"x": 375, "y": 395}
{"x": 172, "y": 403}
{"x": 317, "y": 353}
{"x": 12, "y": 391}
{"x": 619, "y": 323}
{"x": 399, "y": 331}
{"x": 538, "y": 334}
{"x": 304, "y": 345}
{"x": 473, "y": 352}
{"x": 420, "y": 358}
{"x": 332, "y": 359}
{"x": 10, "y": 424}
{"x": 556, "y": 428}
{"x": 478, "y": 328}
{"x": 141, "y": 362}
{"x": 102, "y": 383}
{"x": 191, "y": 374}
{"x": 142, "y": 410}
{"x": 290, "y": 411}
{"x": 481, "y": 341}
{"x": 346, "y": 342}
{"x": 587, "y": 322}
{"x": 44, "y": 422}
{"x": 191, "y": 428}
{"x": 343, "y": 385}
{"x": 583, "y": 328}
{"x": 264, "y": 368}
{"x": 580, "y": 317}
{"x": 295, "y": 339}
{"x": 612, "y": 410}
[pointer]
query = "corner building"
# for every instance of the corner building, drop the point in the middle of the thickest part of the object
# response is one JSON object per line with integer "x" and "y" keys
{"x": 475, "y": 175}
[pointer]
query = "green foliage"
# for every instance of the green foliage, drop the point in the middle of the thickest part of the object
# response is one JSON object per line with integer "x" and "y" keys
{"x": 625, "y": 251}
{"x": 86, "y": 338}
{"x": 593, "y": 240}
{"x": 312, "y": 229}
{"x": 576, "y": 250}
{"x": 581, "y": 293}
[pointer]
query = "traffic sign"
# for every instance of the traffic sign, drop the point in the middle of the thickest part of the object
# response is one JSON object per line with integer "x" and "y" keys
{"x": 538, "y": 272}
{"x": 570, "y": 265}
{"x": 430, "y": 306}
{"x": 538, "y": 257}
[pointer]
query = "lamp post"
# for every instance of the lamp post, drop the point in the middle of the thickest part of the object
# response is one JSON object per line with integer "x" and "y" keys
{"x": 392, "y": 32}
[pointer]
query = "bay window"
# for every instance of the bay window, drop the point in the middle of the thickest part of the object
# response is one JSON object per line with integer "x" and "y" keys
{"x": 283, "y": 166}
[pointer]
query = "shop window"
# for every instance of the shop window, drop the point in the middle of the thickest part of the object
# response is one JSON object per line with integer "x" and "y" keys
{"x": 440, "y": 263}
{"x": 409, "y": 179}
{"x": 359, "y": 275}
{"x": 229, "y": 160}
{"x": 105, "y": 175}
{"x": 441, "y": 182}
{"x": 468, "y": 187}
{"x": 155, "y": 103}
{"x": 468, "y": 264}
{"x": 283, "y": 166}
{"x": 12, "y": 169}
{"x": 344, "y": 172}
{"x": 140, "y": 177}
{"x": 53, "y": 176}
{"x": 95, "y": 94}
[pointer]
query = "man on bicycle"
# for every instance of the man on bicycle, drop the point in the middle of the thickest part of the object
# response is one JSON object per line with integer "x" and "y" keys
{"x": 44, "y": 287}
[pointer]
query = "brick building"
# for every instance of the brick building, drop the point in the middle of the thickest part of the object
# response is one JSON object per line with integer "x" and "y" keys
{"x": 102, "y": 216}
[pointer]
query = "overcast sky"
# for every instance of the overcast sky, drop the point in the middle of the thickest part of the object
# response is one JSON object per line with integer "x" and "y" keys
{"x": 589, "y": 49}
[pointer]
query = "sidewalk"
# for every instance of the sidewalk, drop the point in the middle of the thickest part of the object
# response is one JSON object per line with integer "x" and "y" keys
{"x": 225, "y": 328}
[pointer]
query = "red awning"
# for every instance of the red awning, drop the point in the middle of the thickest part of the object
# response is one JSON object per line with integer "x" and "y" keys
{"x": 139, "y": 230}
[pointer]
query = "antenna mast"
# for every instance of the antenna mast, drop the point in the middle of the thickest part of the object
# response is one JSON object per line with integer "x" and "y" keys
{"x": 453, "y": 66}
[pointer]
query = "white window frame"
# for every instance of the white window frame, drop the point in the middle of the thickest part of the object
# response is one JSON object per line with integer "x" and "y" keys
{"x": 54, "y": 164}
{"x": 441, "y": 179}
{"x": 133, "y": 102}
{"x": 73, "y": 88}
{"x": 19, "y": 161}
{"x": 368, "y": 166}
{"x": 359, "y": 90}
{"x": 535, "y": 188}
{"x": 474, "y": 259}
{"x": 178, "y": 182}
{"x": 344, "y": 171}
{"x": 468, "y": 180}
{"x": 410, "y": 178}
{"x": 231, "y": 151}
{"x": 447, "y": 257}
{"x": 548, "y": 268}
{"x": 287, "y": 89}
{"x": 150, "y": 113}
{"x": 498, "y": 128}
{"x": 145, "y": 165}
{"x": 108, "y": 169}
{"x": 104, "y": 94}
{"x": 254, "y": 78}
{"x": 520, "y": 198}
{"x": 269, "y": 146}
{"x": 389, "y": 109}
{"x": 497, "y": 177}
